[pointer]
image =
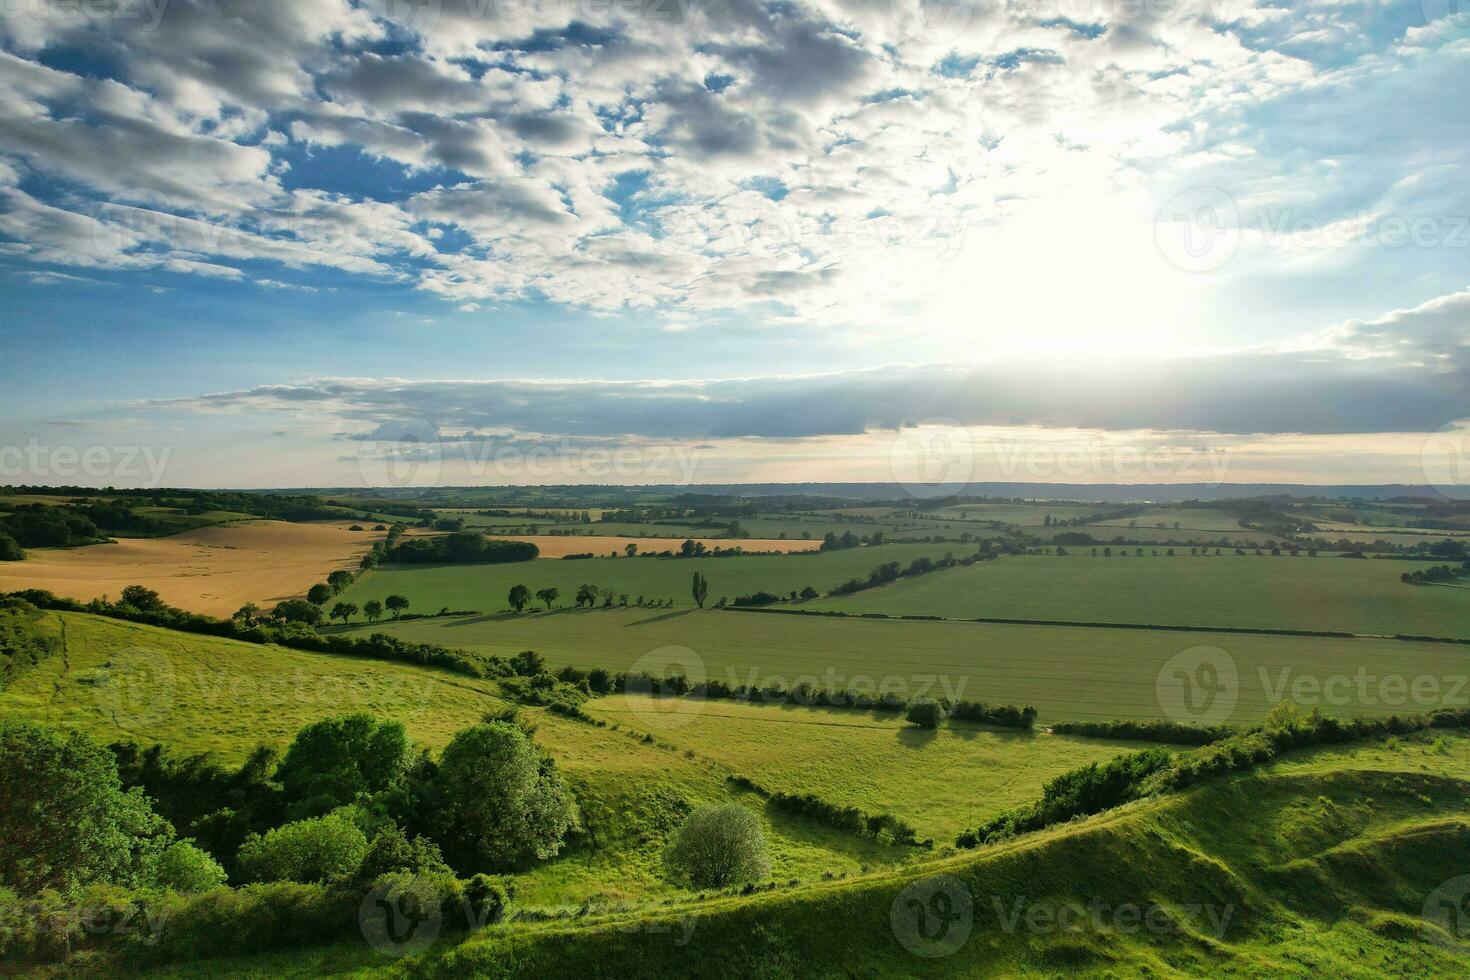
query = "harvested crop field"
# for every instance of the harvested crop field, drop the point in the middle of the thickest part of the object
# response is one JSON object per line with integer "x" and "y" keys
{"x": 213, "y": 570}
{"x": 561, "y": 545}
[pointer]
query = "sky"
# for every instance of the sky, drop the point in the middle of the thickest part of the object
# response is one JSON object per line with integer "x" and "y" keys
{"x": 263, "y": 243}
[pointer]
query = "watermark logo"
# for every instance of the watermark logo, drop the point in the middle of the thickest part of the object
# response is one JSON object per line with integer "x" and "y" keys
{"x": 417, "y": 16}
{"x": 1450, "y": 19}
{"x": 665, "y": 712}
{"x": 143, "y": 466}
{"x": 1099, "y": 916}
{"x": 402, "y": 453}
{"x": 401, "y": 916}
{"x": 932, "y": 21}
{"x": 1198, "y": 686}
{"x": 1445, "y": 458}
{"x": 1198, "y": 230}
{"x": 928, "y": 455}
{"x": 143, "y": 16}
{"x": 1448, "y": 907}
{"x": 1096, "y": 458}
{"x": 933, "y": 917}
{"x": 135, "y": 687}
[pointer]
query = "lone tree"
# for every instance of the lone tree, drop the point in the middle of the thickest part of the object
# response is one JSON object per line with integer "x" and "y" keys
{"x": 519, "y": 597}
{"x": 338, "y": 581}
{"x": 701, "y": 589}
{"x": 396, "y": 604}
{"x": 630, "y": 549}
{"x": 372, "y": 609}
{"x": 548, "y": 596}
{"x": 344, "y": 611}
{"x": 587, "y": 595}
{"x": 718, "y": 846}
{"x": 318, "y": 594}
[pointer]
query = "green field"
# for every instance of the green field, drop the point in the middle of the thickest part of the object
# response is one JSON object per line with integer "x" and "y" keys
{"x": 202, "y": 694}
{"x": 1068, "y": 673}
{"x": 1324, "y": 593}
{"x": 940, "y": 781}
{"x": 484, "y": 587}
{"x": 124, "y": 682}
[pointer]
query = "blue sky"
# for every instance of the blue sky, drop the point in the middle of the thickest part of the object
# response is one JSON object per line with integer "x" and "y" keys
{"x": 787, "y": 238}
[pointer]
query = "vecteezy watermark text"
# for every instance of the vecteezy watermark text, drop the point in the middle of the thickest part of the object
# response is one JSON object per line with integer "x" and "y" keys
{"x": 143, "y": 465}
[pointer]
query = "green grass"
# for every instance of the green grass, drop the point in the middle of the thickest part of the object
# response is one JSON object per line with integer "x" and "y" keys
{"x": 1323, "y": 860}
{"x": 1068, "y": 673}
{"x": 202, "y": 694}
{"x": 940, "y": 781}
{"x": 484, "y": 587}
{"x": 1321, "y": 593}
{"x": 1287, "y": 871}
{"x": 123, "y": 681}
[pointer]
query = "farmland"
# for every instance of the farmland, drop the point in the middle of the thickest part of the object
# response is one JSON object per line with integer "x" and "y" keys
{"x": 1068, "y": 673}
{"x": 211, "y": 570}
{"x": 484, "y": 587}
{"x": 1299, "y": 593}
{"x": 561, "y": 545}
{"x": 854, "y": 805}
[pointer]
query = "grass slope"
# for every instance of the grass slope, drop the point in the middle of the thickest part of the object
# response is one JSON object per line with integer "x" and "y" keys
{"x": 196, "y": 693}
{"x": 1321, "y": 865}
{"x": 939, "y": 781}
{"x": 1068, "y": 673}
{"x": 1229, "y": 590}
{"x": 122, "y": 681}
{"x": 484, "y": 587}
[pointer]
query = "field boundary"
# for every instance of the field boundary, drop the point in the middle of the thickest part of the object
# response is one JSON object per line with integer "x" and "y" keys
{"x": 1179, "y": 628}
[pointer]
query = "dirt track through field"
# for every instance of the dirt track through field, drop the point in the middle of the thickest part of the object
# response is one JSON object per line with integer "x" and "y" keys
{"x": 560, "y": 545}
{"x": 214, "y": 570}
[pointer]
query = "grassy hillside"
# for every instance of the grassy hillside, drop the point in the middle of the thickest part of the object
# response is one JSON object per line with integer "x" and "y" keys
{"x": 1068, "y": 673}
{"x": 196, "y": 693}
{"x": 1261, "y": 592}
{"x": 484, "y": 587}
{"x": 1322, "y": 865}
{"x": 940, "y": 781}
{"x": 121, "y": 681}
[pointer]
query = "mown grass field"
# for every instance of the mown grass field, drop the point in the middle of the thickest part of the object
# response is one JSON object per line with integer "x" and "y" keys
{"x": 940, "y": 781}
{"x": 484, "y": 587}
{"x": 1324, "y": 593}
{"x": 1068, "y": 673}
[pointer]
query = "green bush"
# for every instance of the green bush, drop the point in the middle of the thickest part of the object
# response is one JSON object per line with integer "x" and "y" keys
{"x": 925, "y": 714}
{"x": 315, "y": 850}
{"x": 719, "y": 846}
{"x": 497, "y": 801}
{"x": 335, "y": 761}
{"x": 183, "y": 867}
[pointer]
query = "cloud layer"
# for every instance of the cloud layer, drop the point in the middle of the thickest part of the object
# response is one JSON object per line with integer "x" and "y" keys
{"x": 816, "y": 162}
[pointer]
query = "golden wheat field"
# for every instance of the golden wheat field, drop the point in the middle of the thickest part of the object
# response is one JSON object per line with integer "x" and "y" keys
{"x": 212, "y": 570}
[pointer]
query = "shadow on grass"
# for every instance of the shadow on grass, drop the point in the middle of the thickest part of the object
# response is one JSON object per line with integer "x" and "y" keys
{"x": 659, "y": 619}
